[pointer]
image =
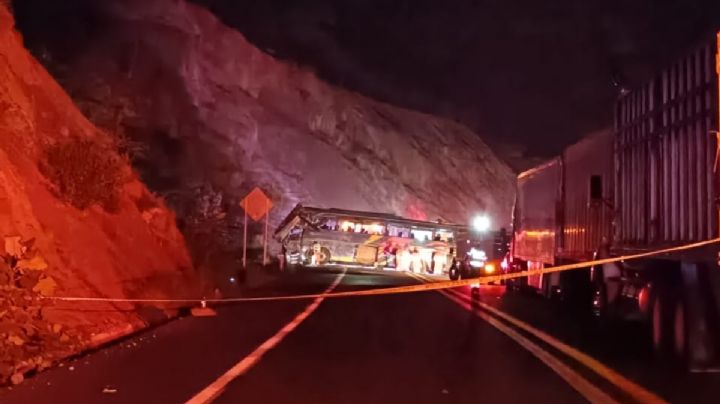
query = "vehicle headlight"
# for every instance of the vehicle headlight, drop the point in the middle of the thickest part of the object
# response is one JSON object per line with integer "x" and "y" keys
{"x": 489, "y": 268}
{"x": 477, "y": 254}
{"x": 476, "y": 263}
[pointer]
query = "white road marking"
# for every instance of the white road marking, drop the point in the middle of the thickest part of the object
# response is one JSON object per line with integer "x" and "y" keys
{"x": 209, "y": 393}
{"x": 630, "y": 388}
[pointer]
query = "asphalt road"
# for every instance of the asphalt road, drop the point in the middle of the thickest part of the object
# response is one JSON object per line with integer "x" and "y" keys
{"x": 425, "y": 347}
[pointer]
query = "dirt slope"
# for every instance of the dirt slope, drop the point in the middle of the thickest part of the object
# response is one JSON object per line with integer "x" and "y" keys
{"x": 52, "y": 243}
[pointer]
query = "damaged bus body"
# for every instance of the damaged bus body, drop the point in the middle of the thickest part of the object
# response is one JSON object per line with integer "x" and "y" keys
{"x": 320, "y": 237}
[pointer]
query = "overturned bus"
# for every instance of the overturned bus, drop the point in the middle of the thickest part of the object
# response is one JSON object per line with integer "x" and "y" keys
{"x": 318, "y": 237}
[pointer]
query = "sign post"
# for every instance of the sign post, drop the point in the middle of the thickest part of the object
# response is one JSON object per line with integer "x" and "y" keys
{"x": 256, "y": 205}
{"x": 265, "y": 239}
{"x": 717, "y": 69}
{"x": 245, "y": 241}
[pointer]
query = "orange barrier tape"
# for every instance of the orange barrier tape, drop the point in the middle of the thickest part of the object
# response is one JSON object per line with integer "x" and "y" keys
{"x": 403, "y": 289}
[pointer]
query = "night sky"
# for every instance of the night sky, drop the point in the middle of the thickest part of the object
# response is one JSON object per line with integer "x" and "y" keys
{"x": 526, "y": 74}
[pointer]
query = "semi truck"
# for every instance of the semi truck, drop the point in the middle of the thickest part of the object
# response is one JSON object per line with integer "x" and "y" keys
{"x": 649, "y": 182}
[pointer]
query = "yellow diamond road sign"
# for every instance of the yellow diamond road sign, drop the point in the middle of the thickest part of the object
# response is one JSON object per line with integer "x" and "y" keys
{"x": 256, "y": 204}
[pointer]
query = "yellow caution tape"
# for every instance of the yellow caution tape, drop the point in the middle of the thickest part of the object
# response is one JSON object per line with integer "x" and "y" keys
{"x": 402, "y": 289}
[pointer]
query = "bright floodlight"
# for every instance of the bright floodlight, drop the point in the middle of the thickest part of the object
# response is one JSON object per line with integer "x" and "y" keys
{"x": 481, "y": 223}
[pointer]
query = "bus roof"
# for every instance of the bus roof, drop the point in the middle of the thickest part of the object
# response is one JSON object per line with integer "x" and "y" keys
{"x": 307, "y": 212}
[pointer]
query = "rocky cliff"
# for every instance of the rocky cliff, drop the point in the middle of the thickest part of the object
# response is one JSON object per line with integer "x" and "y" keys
{"x": 212, "y": 117}
{"x": 74, "y": 221}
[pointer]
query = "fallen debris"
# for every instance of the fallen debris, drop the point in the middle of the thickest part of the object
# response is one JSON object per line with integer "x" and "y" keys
{"x": 28, "y": 340}
{"x": 17, "y": 378}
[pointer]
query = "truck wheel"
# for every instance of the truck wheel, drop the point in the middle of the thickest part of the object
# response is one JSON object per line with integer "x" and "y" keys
{"x": 517, "y": 284}
{"x": 661, "y": 325}
{"x": 454, "y": 273}
{"x": 680, "y": 334}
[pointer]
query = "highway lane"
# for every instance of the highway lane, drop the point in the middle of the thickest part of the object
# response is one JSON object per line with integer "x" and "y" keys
{"x": 171, "y": 363}
{"x": 419, "y": 347}
{"x": 621, "y": 346}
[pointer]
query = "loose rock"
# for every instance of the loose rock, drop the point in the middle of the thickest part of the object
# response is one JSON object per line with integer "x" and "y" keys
{"x": 17, "y": 378}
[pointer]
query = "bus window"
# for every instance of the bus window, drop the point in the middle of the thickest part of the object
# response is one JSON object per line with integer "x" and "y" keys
{"x": 444, "y": 235}
{"x": 422, "y": 235}
{"x": 329, "y": 224}
{"x": 360, "y": 227}
{"x": 296, "y": 232}
{"x": 397, "y": 231}
{"x": 373, "y": 228}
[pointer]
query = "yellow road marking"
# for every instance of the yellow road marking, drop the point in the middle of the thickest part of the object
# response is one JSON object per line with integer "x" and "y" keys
{"x": 629, "y": 387}
{"x": 588, "y": 390}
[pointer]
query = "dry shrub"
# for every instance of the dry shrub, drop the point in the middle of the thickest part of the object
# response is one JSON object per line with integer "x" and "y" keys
{"x": 84, "y": 173}
{"x": 146, "y": 202}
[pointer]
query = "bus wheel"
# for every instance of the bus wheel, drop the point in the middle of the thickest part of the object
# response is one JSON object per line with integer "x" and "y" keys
{"x": 324, "y": 256}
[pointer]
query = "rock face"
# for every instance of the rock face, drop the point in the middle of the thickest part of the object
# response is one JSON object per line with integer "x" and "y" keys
{"x": 216, "y": 117}
{"x": 122, "y": 244}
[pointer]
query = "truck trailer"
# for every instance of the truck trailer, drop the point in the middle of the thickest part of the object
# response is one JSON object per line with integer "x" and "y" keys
{"x": 563, "y": 214}
{"x": 649, "y": 183}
